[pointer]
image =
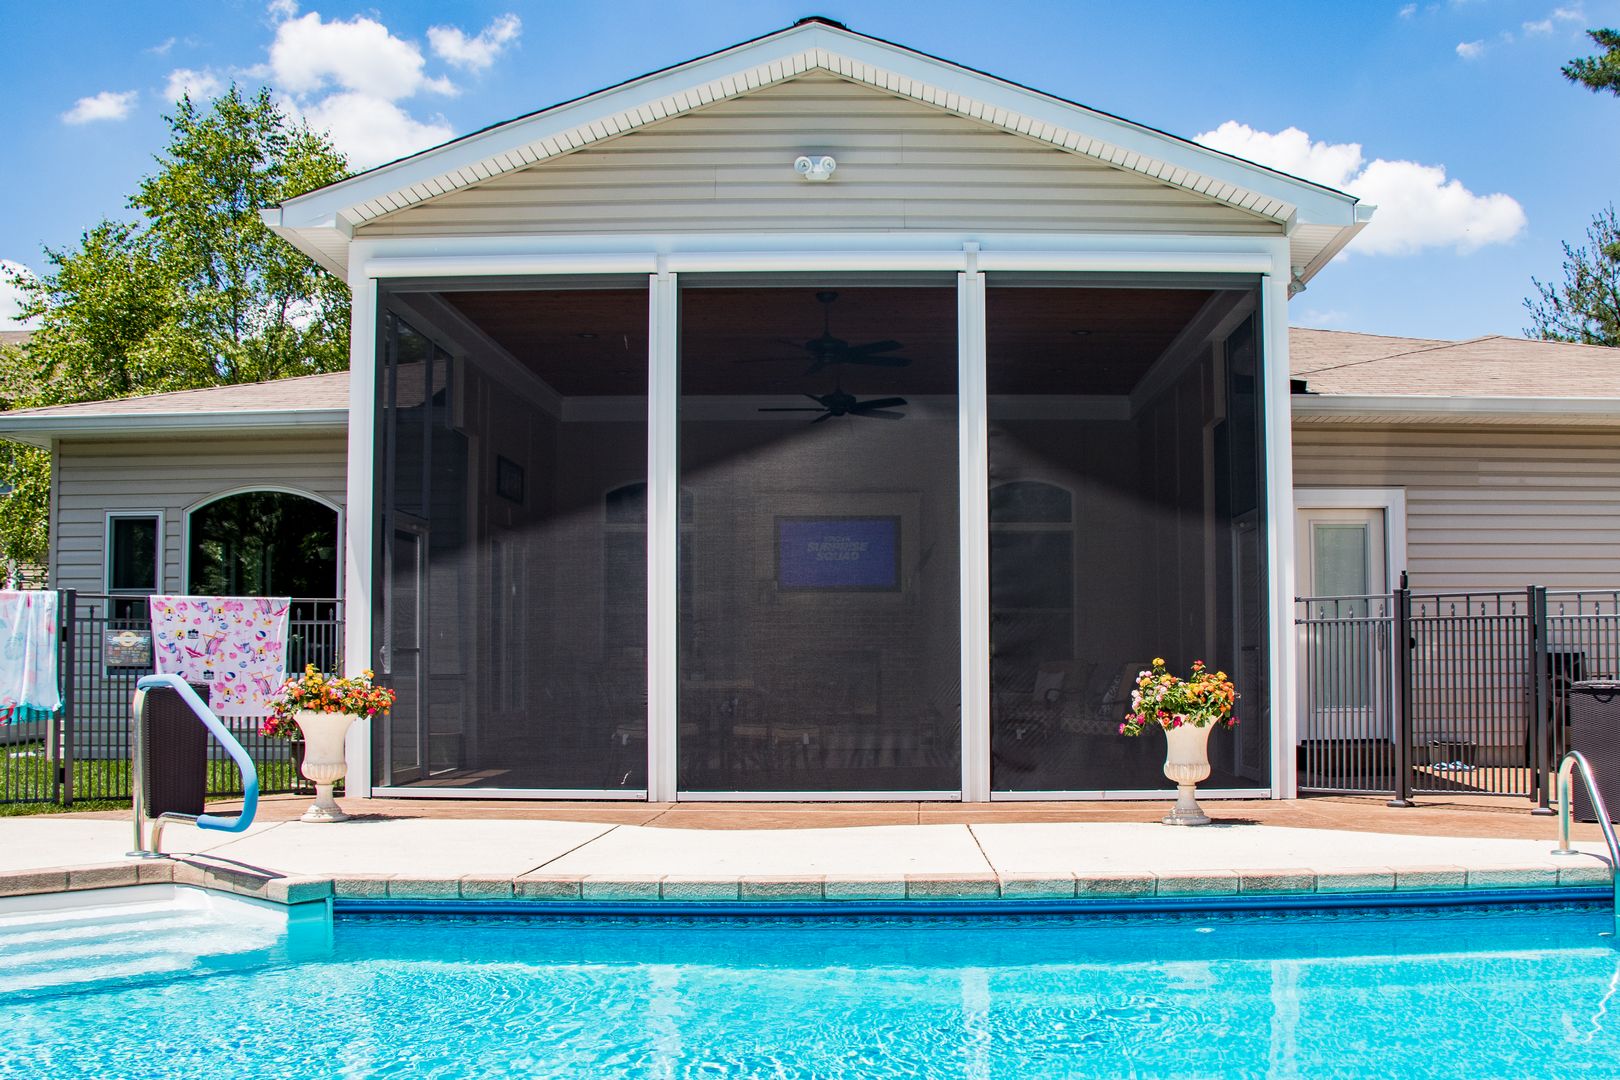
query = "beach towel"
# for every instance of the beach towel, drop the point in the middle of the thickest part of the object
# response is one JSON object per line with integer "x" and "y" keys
{"x": 28, "y": 650}
{"x": 237, "y": 645}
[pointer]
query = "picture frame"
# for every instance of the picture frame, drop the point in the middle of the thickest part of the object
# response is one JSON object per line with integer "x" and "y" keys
{"x": 508, "y": 479}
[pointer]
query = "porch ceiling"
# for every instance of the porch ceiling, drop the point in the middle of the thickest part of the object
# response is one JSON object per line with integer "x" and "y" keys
{"x": 750, "y": 341}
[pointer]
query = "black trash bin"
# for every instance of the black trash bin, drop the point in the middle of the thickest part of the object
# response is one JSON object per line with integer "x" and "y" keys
{"x": 1594, "y": 730}
{"x": 174, "y": 778}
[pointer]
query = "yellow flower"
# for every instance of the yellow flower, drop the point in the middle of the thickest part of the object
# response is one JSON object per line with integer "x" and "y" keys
{"x": 1158, "y": 661}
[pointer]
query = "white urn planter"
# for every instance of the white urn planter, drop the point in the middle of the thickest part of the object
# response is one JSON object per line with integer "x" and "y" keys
{"x": 1186, "y": 762}
{"x": 324, "y": 762}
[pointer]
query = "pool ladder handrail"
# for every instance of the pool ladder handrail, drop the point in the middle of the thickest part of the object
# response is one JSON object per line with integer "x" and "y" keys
{"x": 250, "y": 774}
{"x": 1575, "y": 760}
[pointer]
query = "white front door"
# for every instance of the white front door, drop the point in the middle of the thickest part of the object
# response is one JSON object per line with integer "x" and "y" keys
{"x": 1342, "y": 560}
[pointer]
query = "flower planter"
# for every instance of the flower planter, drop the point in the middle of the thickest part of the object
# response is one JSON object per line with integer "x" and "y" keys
{"x": 1186, "y": 762}
{"x": 324, "y": 762}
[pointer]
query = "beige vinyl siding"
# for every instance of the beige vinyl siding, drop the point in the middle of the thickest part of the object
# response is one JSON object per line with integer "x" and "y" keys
{"x": 1486, "y": 508}
{"x": 901, "y": 165}
{"x": 171, "y": 476}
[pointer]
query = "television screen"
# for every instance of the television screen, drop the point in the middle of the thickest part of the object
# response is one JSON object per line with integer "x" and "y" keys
{"x": 838, "y": 552}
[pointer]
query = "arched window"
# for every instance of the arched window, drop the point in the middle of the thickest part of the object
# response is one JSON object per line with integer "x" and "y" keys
{"x": 263, "y": 543}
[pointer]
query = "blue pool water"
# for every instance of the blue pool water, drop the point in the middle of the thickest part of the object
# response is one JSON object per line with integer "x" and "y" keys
{"x": 1461, "y": 992}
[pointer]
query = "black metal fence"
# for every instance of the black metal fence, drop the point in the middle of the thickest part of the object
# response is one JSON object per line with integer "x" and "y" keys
{"x": 1424, "y": 693}
{"x": 82, "y": 752}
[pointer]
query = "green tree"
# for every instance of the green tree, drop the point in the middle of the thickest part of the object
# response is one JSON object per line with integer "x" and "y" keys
{"x": 194, "y": 292}
{"x": 1585, "y": 307}
{"x": 1600, "y": 72}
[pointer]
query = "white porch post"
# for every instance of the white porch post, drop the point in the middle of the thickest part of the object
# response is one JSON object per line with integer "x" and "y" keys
{"x": 360, "y": 517}
{"x": 663, "y": 532}
{"x": 1280, "y": 531}
{"x": 973, "y": 466}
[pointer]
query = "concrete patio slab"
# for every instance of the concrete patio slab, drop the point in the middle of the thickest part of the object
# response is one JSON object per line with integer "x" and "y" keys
{"x": 860, "y": 851}
{"x": 412, "y": 848}
{"x": 1137, "y": 847}
{"x": 59, "y": 840}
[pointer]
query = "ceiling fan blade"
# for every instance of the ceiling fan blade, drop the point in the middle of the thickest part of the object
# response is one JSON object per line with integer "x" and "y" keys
{"x": 881, "y": 403}
{"x": 878, "y": 414}
{"x": 828, "y": 415}
{"x": 887, "y": 345}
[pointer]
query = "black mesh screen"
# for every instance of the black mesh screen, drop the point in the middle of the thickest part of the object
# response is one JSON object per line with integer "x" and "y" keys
{"x": 819, "y": 633}
{"x": 1125, "y": 524}
{"x": 514, "y": 620}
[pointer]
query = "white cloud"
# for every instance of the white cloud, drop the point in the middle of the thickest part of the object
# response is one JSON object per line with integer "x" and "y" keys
{"x": 1418, "y": 208}
{"x": 1323, "y": 319}
{"x": 1542, "y": 26}
{"x": 11, "y": 296}
{"x": 1569, "y": 14}
{"x": 107, "y": 105}
{"x": 1408, "y": 11}
{"x": 162, "y": 48}
{"x": 200, "y": 85}
{"x": 360, "y": 55}
{"x": 1471, "y": 50}
{"x": 371, "y": 130}
{"x": 282, "y": 9}
{"x": 452, "y": 44}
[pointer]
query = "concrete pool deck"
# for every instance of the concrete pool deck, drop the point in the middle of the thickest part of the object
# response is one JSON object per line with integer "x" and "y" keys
{"x": 596, "y": 851}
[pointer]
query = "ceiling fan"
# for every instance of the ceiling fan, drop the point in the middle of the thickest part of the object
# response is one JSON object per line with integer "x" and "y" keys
{"x": 840, "y": 403}
{"x": 827, "y": 351}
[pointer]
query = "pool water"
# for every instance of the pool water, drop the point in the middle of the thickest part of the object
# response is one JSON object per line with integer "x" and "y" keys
{"x": 1461, "y": 992}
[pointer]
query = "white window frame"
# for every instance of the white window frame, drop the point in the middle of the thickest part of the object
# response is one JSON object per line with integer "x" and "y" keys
{"x": 158, "y": 562}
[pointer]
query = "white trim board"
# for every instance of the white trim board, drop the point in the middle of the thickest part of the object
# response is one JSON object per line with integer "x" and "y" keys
{"x": 1392, "y": 501}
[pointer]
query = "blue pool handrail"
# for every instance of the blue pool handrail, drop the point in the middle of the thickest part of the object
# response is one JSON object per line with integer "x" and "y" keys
{"x": 250, "y": 774}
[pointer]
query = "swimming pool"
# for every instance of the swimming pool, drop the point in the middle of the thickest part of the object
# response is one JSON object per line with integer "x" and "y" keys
{"x": 1452, "y": 992}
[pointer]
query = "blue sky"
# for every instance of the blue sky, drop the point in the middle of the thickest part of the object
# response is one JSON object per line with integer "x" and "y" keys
{"x": 1451, "y": 114}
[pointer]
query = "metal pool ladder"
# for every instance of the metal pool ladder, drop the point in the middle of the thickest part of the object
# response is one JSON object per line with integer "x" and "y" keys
{"x": 250, "y": 774}
{"x": 1572, "y": 761}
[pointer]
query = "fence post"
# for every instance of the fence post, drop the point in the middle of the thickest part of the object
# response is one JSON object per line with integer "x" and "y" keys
{"x": 1539, "y": 694}
{"x": 1402, "y": 655}
{"x": 67, "y": 618}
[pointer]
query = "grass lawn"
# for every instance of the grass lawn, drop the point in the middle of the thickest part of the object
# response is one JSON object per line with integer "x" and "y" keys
{"x": 25, "y": 773}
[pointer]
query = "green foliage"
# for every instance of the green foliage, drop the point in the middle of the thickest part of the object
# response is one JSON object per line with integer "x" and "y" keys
{"x": 1586, "y": 307}
{"x": 195, "y": 292}
{"x": 1600, "y": 72}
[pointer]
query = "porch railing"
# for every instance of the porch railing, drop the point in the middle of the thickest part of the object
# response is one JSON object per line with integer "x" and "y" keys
{"x": 83, "y": 751}
{"x": 1422, "y": 693}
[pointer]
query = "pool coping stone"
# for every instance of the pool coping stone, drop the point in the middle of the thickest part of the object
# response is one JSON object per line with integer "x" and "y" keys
{"x": 540, "y": 887}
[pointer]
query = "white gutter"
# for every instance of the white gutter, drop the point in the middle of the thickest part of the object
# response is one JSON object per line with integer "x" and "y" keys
{"x": 40, "y": 429}
{"x": 1408, "y": 408}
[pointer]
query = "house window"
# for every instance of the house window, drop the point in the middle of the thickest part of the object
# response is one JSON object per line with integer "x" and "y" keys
{"x": 134, "y": 541}
{"x": 263, "y": 543}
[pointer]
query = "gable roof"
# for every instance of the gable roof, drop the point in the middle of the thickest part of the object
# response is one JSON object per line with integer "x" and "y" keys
{"x": 1336, "y": 362}
{"x": 304, "y": 402}
{"x": 1371, "y": 379}
{"x": 322, "y": 222}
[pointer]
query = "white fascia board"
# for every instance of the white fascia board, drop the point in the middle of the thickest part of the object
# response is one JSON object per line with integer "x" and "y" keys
{"x": 523, "y": 255}
{"x": 40, "y": 430}
{"x": 1326, "y": 408}
{"x": 890, "y": 67}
